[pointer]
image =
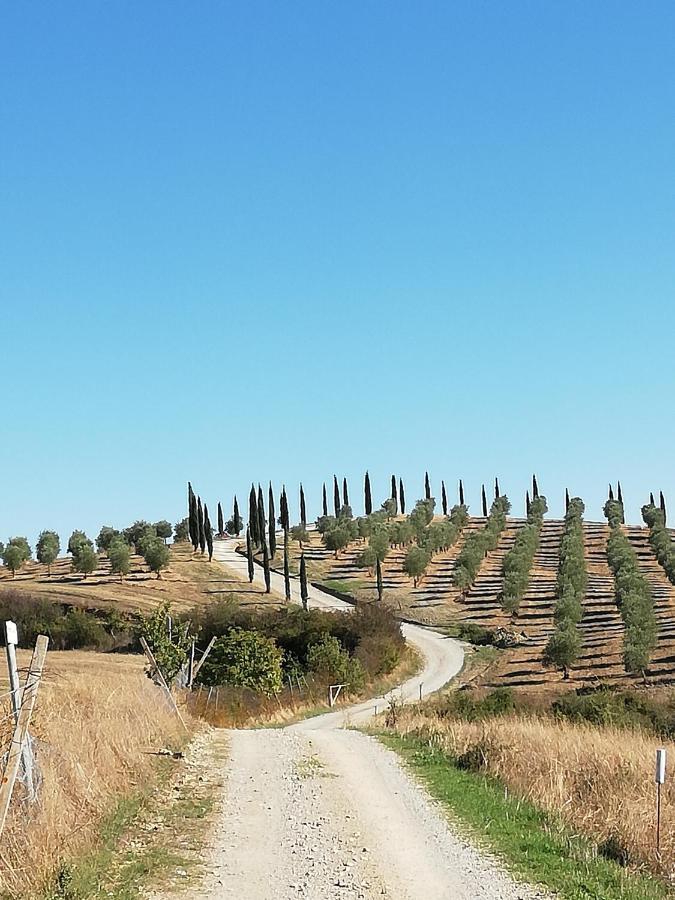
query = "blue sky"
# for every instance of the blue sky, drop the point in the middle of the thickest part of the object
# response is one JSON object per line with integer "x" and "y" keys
{"x": 281, "y": 240}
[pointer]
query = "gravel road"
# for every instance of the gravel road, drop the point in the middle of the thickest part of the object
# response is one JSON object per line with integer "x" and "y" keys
{"x": 318, "y": 812}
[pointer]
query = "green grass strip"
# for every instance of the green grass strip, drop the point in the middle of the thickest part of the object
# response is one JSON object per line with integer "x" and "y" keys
{"x": 535, "y": 846}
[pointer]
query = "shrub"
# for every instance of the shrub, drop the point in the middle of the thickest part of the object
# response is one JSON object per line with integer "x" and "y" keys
{"x": 244, "y": 659}
{"x": 479, "y": 543}
{"x": 330, "y": 661}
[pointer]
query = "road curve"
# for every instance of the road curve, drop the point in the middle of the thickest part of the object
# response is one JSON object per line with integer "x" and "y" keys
{"x": 316, "y": 811}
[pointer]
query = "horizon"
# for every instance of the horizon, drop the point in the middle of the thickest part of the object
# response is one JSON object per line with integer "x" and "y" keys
{"x": 246, "y": 241}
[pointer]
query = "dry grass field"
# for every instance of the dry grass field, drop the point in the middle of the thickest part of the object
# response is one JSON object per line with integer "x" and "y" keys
{"x": 600, "y": 780}
{"x": 97, "y": 725}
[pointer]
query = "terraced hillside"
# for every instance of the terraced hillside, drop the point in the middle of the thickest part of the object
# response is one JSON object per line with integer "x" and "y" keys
{"x": 436, "y": 601}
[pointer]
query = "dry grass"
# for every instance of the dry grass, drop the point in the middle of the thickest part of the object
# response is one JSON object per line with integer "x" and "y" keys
{"x": 98, "y": 722}
{"x": 600, "y": 780}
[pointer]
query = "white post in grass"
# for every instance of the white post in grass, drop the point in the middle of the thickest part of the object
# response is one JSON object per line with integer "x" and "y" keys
{"x": 659, "y": 778}
{"x": 11, "y": 641}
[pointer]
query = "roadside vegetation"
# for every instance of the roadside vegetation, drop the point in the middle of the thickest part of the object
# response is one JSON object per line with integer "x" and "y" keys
{"x": 578, "y": 809}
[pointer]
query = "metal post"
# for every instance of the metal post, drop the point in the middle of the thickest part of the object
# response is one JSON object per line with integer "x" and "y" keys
{"x": 659, "y": 778}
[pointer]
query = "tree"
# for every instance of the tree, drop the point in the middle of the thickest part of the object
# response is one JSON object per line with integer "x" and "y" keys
{"x": 345, "y": 493}
{"x": 378, "y": 580}
{"x": 221, "y": 521}
{"x": 47, "y": 549}
{"x": 527, "y": 503}
{"x": 163, "y": 529}
{"x": 401, "y": 496}
{"x": 461, "y": 493}
{"x": 662, "y": 505}
{"x": 237, "y": 521}
{"x": 444, "y": 499}
{"x": 496, "y": 488}
{"x": 75, "y": 539}
{"x": 253, "y": 517}
{"x": 181, "y": 531}
{"x": 303, "y": 509}
{"x": 337, "y": 539}
{"x": 85, "y": 558}
{"x": 304, "y": 593}
{"x": 427, "y": 487}
{"x": 563, "y": 648}
{"x": 610, "y": 495}
{"x": 193, "y": 524}
{"x": 300, "y": 534}
{"x": 368, "y": 500}
{"x": 120, "y": 558}
{"x": 535, "y": 488}
{"x": 249, "y": 554}
{"x": 284, "y": 518}
{"x": 271, "y": 522}
{"x": 244, "y": 659}
{"x": 324, "y": 500}
{"x": 156, "y": 555}
{"x": 393, "y": 489}
{"x": 389, "y": 507}
{"x": 208, "y": 533}
{"x": 567, "y": 501}
{"x": 483, "y": 500}
{"x": 415, "y": 563}
{"x": 261, "y": 517}
{"x": 336, "y": 497}
{"x": 106, "y": 536}
{"x": 287, "y": 570}
{"x": 619, "y": 495}
{"x": 200, "y": 522}
{"x": 379, "y": 544}
{"x": 13, "y": 556}
{"x": 266, "y": 568}
{"x": 651, "y": 499}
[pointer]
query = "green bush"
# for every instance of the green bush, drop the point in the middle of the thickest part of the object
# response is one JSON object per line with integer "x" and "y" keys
{"x": 330, "y": 661}
{"x": 518, "y": 561}
{"x": 244, "y": 659}
{"x": 660, "y": 540}
{"x": 479, "y": 543}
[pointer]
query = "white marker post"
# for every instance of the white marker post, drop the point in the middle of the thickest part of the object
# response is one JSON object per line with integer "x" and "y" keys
{"x": 659, "y": 778}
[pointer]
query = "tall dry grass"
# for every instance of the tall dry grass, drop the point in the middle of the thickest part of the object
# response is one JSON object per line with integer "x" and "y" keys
{"x": 98, "y": 722}
{"x": 600, "y": 780}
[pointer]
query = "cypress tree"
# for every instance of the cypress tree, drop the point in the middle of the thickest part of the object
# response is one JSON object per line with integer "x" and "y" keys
{"x": 324, "y": 500}
{"x": 611, "y": 492}
{"x": 483, "y": 500}
{"x": 444, "y": 499}
{"x": 236, "y": 518}
{"x": 287, "y": 571}
{"x": 662, "y": 504}
{"x": 266, "y": 568}
{"x": 283, "y": 510}
{"x": 200, "y": 521}
{"x": 401, "y": 495}
{"x": 253, "y": 517}
{"x": 535, "y": 487}
{"x": 651, "y": 499}
{"x": 427, "y": 486}
{"x": 221, "y": 523}
{"x": 249, "y": 553}
{"x": 271, "y": 522}
{"x": 619, "y": 495}
{"x": 368, "y": 500}
{"x": 336, "y": 497}
{"x": 303, "y": 509}
{"x": 380, "y": 587}
{"x": 461, "y": 493}
{"x": 193, "y": 524}
{"x": 261, "y": 518}
{"x": 567, "y": 501}
{"x": 527, "y": 504}
{"x": 496, "y": 489}
{"x": 345, "y": 492}
{"x": 304, "y": 593}
{"x": 208, "y": 532}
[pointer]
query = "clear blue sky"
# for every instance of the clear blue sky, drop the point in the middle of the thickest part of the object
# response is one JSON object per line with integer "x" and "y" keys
{"x": 280, "y": 240}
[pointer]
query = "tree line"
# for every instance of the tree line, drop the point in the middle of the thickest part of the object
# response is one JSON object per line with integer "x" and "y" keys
{"x": 518, "y": 561}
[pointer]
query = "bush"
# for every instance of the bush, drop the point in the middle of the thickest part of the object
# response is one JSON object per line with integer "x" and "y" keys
{"x": 244, "y": 659}
{"x": 479, "y": 543}
{"x": 565, "y": 643}
{"x": 330, "y": 661}
{"x": 68, "y": 629}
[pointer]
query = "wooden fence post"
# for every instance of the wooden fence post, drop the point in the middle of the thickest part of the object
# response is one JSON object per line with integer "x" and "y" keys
{"x": 28, "y": 696}
{"x": 153, "y": 662}
{"x": 11, "y": 640}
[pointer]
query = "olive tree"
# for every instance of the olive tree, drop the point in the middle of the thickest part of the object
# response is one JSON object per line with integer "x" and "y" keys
{"x": 156, "y": 555}
{"x": 47, "y": 549}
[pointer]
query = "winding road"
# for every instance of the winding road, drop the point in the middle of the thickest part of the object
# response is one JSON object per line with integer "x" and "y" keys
{"x": 317, "y": 811}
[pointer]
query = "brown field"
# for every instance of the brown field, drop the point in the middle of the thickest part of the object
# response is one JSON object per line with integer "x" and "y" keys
{"x": 190, "y": 580}
{"x": 436, "y": 602}
{"x": 98, "y": 723}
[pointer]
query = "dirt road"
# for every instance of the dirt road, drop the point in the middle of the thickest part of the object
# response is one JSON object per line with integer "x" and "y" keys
{"x": 316, "y": 811}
